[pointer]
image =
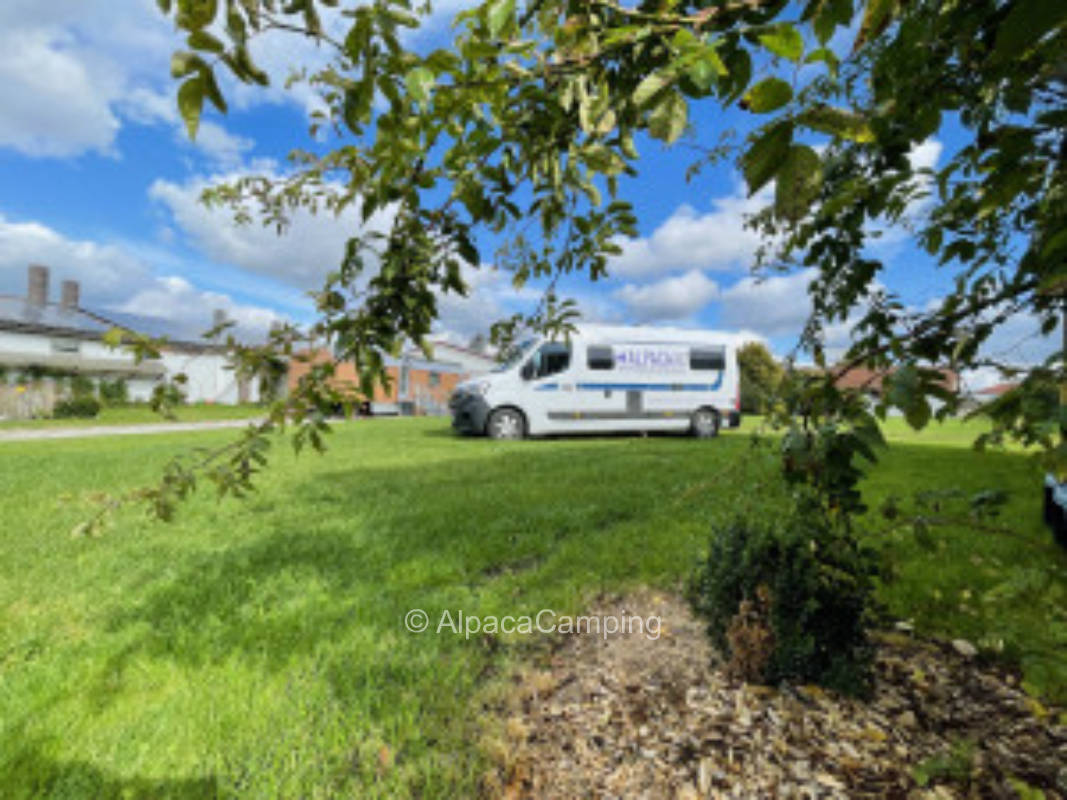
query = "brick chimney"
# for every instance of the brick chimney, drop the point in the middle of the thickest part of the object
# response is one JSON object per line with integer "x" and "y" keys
{"x": 37, "y": 291}
{"x": 69, "y": 295}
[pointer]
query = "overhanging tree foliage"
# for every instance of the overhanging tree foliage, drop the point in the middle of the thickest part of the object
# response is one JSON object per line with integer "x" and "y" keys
{"x": 524, "y": 124}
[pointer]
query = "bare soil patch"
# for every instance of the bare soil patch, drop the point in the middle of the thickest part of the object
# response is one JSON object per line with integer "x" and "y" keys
{"x": 631, "y": 716}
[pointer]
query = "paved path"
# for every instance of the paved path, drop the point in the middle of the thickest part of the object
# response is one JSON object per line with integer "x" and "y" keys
{"x": 30, "y": 434}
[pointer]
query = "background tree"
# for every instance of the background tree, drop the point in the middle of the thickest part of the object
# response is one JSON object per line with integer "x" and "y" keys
{"x": 760, "y": 377}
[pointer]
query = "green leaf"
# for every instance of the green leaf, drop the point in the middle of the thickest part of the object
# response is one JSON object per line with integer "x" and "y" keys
{"x": 183, "y": 63}
{"x": 1025, "y": 25}
{"x": 499, "y": 14}
{"x": 826, "y": 55}
{"x": 669, "y": 119}
{"x": 607, "y": 123}
{"x": 828, "y": 14}
{"x": 419, "y": 82}
{"x": 762, "y": 159}
{"x": 767, "y": 95}
{"x": 1056, "y": 243}
{"x": 799, "y": 178}
{"x": 785, "y": 41}
{"x": 837, "y": 122}
{"x": 211, "y": 89}
{"x": 876, "y": 18}
{"x": 191, "y": 102}
{"x": 196, "y": 14}
{"x": 648, "y": 88}
{"x": 202, "y": 40}
{"x": 704, "y": 70}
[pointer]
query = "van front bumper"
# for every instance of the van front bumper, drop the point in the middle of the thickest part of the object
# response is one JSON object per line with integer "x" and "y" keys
{"x": 469, "y": 412}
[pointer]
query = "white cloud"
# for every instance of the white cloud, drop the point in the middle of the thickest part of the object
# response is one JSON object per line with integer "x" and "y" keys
{"x": 188, "y": 310}
{"x": 114, "y": 277}
{"x": 309, "y": 248}
{"x": 717, "y": 240}
{"x": 490, "y": 297}
{"x": 65, "y": 65}
{"x": 774, "y": 306}
{"x": 104, "y": 270}
{"x": 72, "y": 72}
{"x": 148, "y": 107}
{"x": 674, "y": 298}
{"x": 925, "y": 155}
{"x": 56, "y": 102}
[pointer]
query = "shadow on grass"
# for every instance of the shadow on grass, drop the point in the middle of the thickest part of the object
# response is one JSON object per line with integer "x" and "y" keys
{"x": 355, "y": 547}
{"x": 30, "y": 773}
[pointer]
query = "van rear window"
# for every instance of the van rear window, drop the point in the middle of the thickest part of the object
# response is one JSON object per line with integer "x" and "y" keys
{"x": 600, "y": 358}
{"x": 707, "y": 358}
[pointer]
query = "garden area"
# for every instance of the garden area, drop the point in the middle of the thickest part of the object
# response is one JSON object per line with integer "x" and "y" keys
{"x": 258, "y": 648}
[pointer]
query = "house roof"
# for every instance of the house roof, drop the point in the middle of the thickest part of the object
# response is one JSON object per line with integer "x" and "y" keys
{"x": 16, "y": 314}
{"x": 870, "y": 380}
{"x": 998, "y": 389}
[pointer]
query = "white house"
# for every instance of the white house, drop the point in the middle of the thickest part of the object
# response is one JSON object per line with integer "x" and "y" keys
{"x": 40, "y": 339}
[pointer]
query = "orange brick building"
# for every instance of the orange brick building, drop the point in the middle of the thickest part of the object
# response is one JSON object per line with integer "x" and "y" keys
{"x": 417, "y": 386}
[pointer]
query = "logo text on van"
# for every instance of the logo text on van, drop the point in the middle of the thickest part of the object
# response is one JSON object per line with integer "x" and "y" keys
{"x": 651, "y": 359}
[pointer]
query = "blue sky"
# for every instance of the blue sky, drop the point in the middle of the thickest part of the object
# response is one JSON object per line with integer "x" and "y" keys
{"x": 100, "y": 183}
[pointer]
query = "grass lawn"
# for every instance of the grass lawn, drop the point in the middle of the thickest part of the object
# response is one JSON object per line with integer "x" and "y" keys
{"x": 141, "y": 414}
{"x": 258, "y": 648}
{"x": 950, "y": 433}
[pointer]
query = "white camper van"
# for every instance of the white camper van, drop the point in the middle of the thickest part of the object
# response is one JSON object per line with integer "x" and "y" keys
{"x": 606, "y": 379}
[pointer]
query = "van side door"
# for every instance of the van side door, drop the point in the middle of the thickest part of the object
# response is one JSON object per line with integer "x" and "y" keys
{"x": 550, "y": 388}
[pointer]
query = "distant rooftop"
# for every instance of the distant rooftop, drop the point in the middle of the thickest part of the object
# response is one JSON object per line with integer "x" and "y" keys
{"x": 998, "y": 389}
{"x": 35, "y": 313}
{"x": 18, "y": 314}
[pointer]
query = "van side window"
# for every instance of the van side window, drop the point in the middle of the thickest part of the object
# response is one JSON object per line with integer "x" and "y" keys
{"x": 552, "y": 357}
{"x": 707, "y": 358}
{"x": 600, "y": 358}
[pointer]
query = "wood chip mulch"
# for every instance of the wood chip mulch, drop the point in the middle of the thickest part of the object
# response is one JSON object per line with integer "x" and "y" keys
{"x": 629, "y": 716}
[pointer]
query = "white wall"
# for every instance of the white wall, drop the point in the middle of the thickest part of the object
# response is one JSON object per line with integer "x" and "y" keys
{"x": 208, "y": 378}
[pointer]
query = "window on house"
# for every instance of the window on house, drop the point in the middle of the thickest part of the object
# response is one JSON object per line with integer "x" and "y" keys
{"x": 65, "y": 345}
{"x": 707, "y": 358}
{"x": 435, "y": 379}
{"x": 600, "y": 358}
{"x": 405, "y": 381}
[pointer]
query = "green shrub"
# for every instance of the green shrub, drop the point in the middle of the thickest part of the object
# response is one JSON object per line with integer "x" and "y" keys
{"x": 816, "y": 586}
{"x": 114, "y": 393}
{"x": 81, "y": 386}
{"x": 81, "y": 407}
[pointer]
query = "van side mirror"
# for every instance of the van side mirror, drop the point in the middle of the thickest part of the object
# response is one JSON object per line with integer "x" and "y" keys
{"x": 527, "y": 371}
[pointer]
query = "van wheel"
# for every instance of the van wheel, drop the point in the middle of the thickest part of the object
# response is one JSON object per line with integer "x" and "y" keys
{"x": 506, "y": 423}
{"x": 705, "y": 423}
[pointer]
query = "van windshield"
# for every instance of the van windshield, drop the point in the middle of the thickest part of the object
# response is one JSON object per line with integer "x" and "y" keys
{"x": 517, "y": 355}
